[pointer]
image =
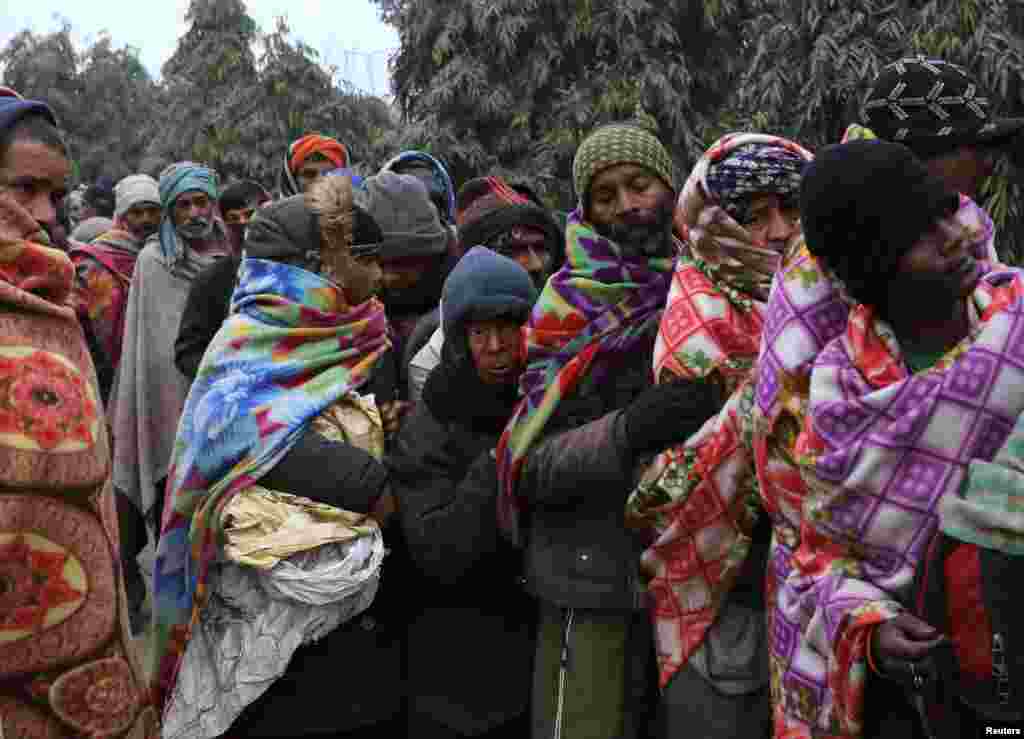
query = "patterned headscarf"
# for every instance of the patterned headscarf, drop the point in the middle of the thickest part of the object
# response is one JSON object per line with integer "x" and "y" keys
{"x": 176, "y": 180}
{"x": 302, "y": 149}
{"x": 743, "y": 165}
{"x": 716, "y": 198}
{"x": 441, "y": 185}
{"x": 596, "y": 308}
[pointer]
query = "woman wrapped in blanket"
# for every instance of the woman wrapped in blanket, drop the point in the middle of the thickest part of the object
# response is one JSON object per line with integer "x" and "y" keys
{"x": 737, "y": 215}
{"x": 912, "y": 382}
{"x": 268, "y": 619}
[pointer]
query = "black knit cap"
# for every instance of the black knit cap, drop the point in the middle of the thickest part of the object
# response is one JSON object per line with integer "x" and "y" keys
{"x": 242, "y": 194}
{"x": 863, "y": 205}
{"x": 934, "y": 107}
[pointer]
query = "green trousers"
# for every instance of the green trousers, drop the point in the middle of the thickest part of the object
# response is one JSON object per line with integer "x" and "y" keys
{"x": 594, "y": 676}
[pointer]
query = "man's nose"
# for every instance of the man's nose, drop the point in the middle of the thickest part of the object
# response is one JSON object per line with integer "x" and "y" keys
{"x": 780, "y": 228}
{"x": 41, "y": 208}
{"x": 493, "y": 342}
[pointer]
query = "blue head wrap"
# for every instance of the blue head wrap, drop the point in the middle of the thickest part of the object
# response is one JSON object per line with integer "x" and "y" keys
{"x": 442, "y": 181}
{"x": 175, "y": 180}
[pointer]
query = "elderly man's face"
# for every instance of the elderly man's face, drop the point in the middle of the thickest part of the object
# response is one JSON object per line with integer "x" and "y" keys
{"x": 772, "y": 221}
{"x": 624, "y": 188}
{"x": 495, "y": 347}
{"x": 191, "y": 206}
{"x": 35, "y": 175}
{"x": 142, "y": 220}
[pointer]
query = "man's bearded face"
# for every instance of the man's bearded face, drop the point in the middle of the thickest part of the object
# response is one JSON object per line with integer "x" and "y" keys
{"x": 193, "y": 215}
{"x": 142, "y": 220}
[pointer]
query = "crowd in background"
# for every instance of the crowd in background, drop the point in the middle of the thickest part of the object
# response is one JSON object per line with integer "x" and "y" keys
{"x": 735, "y": 454}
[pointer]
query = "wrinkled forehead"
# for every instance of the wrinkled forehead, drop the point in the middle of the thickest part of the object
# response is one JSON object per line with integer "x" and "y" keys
{"x": 190, "y": 197}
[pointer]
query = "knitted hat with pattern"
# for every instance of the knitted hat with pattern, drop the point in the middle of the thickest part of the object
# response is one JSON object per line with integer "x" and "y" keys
{"x": 614, "y": 144}
{"x": 933, "y": 107}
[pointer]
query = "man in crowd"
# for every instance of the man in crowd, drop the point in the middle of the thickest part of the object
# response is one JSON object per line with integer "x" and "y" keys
{"x": 588, "y": 416}
{"x": 433, "y": 175}
{"x": 738, "y": 215}
{"x": 238, "y": 204}
{"x": 60, "y": 582}
{"x": 150, "y": 392}
{"x": 941, "y": 114}
{"x": 306, "y": 160}
{"x": 489, "y": 213}
{"x": 104, "y": 269}
{"x": 878, "y": 329}
{"x": 414, "y": 253}
{"x": 209, "y": 299}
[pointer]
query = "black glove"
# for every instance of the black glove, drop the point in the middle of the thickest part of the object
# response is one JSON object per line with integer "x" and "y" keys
{"x": 668, "y": 414}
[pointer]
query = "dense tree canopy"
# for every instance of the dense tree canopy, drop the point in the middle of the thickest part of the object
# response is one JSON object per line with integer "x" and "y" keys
{"x": 813, "y": 62}
{"x": 512, "y": 85}
{"x": 231, "y": 95}
{"x": 103, "y": 97}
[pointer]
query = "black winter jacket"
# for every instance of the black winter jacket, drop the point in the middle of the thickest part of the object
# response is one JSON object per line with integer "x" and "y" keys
{"x": 575, "y": 481}
{"x": 471, "y": 639}
{"x": 206, "y": 308}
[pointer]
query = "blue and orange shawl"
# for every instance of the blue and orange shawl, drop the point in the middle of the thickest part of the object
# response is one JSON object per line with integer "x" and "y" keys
{"x": 291, "y": 348}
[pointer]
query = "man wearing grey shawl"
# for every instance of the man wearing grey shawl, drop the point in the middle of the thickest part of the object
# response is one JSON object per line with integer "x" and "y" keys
{"x": 149, "y": 392}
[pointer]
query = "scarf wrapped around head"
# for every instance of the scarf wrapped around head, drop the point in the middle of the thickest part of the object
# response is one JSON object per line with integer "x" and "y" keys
{"x": 176, "y": 180}
{"x": 716, "y": 200}
{"x": 291, "y": 348}
{"x": 302, "y": 149}
{"x": 441, "y": 181}
{"x": 598, "y": 306}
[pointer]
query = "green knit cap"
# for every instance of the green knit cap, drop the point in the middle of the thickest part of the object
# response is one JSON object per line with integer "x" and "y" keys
{"x": 619, "y": 143}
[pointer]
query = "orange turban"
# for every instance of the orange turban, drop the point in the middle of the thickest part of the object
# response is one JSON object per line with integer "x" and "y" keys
{"x": 314, "y": 143}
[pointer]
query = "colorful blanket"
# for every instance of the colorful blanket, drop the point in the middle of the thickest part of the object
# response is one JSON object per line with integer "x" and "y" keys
{"x": 291, "y": 348}
{"x": 817, "y": 677}
{"x": 599, "y": 305}
{"x": 700, "y": 498}
{"x": 103, "y": 277}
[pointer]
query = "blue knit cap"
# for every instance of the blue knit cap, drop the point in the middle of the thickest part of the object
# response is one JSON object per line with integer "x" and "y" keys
{"x": 485, "y": 284}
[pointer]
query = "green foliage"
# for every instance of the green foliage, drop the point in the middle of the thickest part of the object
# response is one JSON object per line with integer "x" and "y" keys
{"x": 513, "y": 86}
{"x": 231, "y": 96}
{"x": 814, "y": 62}
{"x": 103, "y": 97}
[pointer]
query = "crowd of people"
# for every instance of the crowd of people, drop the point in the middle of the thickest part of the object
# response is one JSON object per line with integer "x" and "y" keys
{"x": 730, "y": 455}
